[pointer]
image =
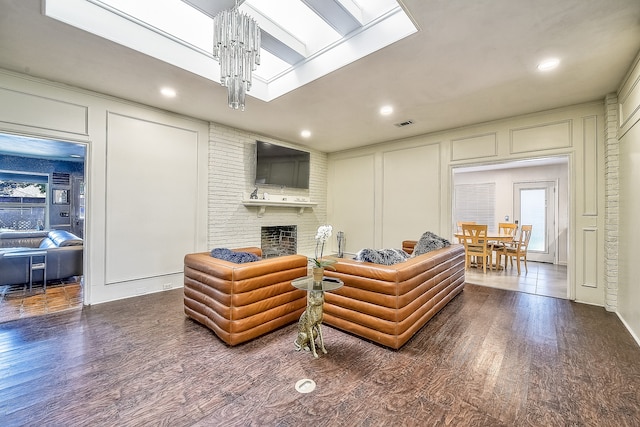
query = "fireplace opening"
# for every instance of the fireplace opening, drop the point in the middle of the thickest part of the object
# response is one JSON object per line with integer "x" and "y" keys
{"x": 279, "y": 240}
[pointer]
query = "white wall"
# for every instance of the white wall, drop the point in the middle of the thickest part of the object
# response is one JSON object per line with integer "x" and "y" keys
{"x": 629, "y": 232}
{"x": 416, "y": 175}
{"x": 146, "y": 177}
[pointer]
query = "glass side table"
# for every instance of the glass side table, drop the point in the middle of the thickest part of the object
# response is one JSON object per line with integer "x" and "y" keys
{"x": 309, "y": 325}
{"x": 37, "y": 261}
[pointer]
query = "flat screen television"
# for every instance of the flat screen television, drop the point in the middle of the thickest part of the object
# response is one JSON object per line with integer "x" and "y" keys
{"x": 281, "y": 166}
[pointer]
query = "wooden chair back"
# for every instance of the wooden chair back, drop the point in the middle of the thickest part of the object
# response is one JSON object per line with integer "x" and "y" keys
{"x": 518, "y": 248}
{"x": 460, "y": 224}
{"x": 507, "y": 228}
{"x": 525, "y": 236}
{"x": 475, "y": 244}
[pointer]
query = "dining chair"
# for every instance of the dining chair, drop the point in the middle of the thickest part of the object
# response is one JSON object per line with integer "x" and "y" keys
{"x": 460, "y": 224}
{"x": 476, "y": 245}
{"x": 518, "y": 249}
{"x": 504, "y": 228}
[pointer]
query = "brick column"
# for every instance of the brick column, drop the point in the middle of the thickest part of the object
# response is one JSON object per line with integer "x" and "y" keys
{"x": 612, "y": 207}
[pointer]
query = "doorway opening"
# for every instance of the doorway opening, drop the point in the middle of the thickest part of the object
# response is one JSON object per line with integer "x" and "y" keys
{"x": 530, "y": 192}
{"x": 42, "y": 214}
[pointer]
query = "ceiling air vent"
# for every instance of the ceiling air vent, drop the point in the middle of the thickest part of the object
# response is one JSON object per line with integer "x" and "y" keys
{"x": 405, "y": 123}
{"x": 61, "y": 178}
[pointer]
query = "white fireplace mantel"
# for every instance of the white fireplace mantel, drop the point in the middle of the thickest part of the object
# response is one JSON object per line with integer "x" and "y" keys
{"x": 282, "y": 202}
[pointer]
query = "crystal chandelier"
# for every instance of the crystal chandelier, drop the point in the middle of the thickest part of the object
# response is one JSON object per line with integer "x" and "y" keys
{"x": 236, "y": 45}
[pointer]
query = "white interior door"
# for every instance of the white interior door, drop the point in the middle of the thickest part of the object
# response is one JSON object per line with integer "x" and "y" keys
{"x": 535, "y": 204}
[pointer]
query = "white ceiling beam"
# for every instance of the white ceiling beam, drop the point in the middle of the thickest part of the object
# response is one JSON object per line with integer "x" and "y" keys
{"x": 276, "y": 30}
{"x": 277, "y": 41}
{"x": 274, "y": 39}
{"x": 335, "y": 14}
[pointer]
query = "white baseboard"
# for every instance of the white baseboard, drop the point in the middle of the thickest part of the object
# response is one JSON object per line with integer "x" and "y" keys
{"x": 626, "y": 325}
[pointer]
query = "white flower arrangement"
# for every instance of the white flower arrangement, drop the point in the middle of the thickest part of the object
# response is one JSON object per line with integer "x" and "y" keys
{"x": 323, "y": 234}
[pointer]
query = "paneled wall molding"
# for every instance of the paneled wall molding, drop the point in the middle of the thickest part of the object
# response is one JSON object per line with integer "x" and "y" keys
{"x": 590, "y": 166}
{"x": 565, "y": 131}
{"x": 474, "y": 147}
{"x": 40, "y": 112}
{"x": 543, "y": 136}
{"x": 612, "y": 206}
{"x": 629, "y": 99}
{"x": 403, "y": 173}
{"x": 590, "y": 257}
{"x": 40, "y": 108}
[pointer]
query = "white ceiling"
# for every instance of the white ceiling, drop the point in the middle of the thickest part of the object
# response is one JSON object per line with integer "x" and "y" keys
{"x": 469, "y": 62}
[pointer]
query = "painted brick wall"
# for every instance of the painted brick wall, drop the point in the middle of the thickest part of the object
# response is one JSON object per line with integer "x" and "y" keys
{"x": 612, "y": 191}
{"x": 231, "y": 179}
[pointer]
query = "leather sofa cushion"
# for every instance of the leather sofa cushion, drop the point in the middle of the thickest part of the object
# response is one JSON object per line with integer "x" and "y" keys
{"x": 47, "y": 243}
{"x": 64, "y": 238}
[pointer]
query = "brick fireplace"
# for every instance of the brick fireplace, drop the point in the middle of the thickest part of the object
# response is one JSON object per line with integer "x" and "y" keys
{"x": 278, "y": 240}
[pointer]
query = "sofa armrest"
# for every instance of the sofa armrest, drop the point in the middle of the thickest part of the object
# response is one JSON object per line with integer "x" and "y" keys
{"x": 227, "y": 270}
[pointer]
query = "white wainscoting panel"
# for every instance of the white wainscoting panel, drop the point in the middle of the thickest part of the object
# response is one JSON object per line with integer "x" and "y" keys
{"x": 151, "y": 198}
{"x": 352, "y": 206}
{"x": 42, "y": 113}
{"x": 590, "y": 261}
{"x": 629, "y": 99}
{"x": 590, "y": 169}
{"x": 541, "y": 137}
{"x": 411, "y": 194}
{"x": 474, "y": 147}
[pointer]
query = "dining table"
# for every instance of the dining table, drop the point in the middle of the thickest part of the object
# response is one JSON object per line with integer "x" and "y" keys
{"x": 492, "y": 236}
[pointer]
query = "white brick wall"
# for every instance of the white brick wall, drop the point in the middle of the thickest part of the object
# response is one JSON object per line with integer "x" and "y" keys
{"x": 231, "y": 178}
{"x": 612, "y": 163}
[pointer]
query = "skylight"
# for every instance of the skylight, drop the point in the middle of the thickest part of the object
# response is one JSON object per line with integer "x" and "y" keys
{"x": 302, "y": 39}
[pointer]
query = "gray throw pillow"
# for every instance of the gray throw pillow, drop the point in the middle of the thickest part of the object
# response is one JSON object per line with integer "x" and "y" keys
{"x": 235, "y": 257}
{"x": 382, "y": 256}
{"x": 429, "y": 242}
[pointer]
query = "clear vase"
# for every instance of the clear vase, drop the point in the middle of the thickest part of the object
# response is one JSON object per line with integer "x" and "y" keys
{"x": 318, "y": 274}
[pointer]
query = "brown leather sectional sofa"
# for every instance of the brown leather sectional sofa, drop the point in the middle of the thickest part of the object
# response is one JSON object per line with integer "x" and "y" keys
{"x": 388, "y": 304}
{"x": 240, "y": 302}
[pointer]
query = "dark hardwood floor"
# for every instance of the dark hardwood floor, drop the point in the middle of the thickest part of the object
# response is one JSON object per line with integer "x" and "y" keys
{"x": 490, "y": 358}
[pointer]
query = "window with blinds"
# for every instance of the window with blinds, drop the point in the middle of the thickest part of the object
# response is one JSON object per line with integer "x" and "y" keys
{"x": 475, "y": 202}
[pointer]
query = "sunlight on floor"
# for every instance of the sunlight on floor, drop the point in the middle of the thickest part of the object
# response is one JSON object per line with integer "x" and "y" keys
{"x": 541, "y": 279}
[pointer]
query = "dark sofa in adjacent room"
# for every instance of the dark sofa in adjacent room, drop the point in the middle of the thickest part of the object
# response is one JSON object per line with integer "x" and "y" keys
{"x": 64, "y": 255}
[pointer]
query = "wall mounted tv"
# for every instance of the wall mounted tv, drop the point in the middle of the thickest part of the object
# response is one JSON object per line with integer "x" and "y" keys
{"x": 281, "y": 166}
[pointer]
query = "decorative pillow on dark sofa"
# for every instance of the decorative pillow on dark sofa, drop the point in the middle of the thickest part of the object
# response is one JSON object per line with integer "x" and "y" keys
{"x": 382, "y": 256}
{"x": 429, "y": 242}
{"x": 235, "y": 257}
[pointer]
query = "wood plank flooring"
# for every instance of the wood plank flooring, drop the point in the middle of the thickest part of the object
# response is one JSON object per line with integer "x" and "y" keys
{"x": 16, "y": 302}
{"x": 490, "y": 358}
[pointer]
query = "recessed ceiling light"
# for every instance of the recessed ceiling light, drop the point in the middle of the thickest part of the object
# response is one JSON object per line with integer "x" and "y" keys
{"x": 305, "y": 133}
{"x": 548, "y": 64}
{"x": 168, "y": 92}
{"x": 386, "y": 110}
